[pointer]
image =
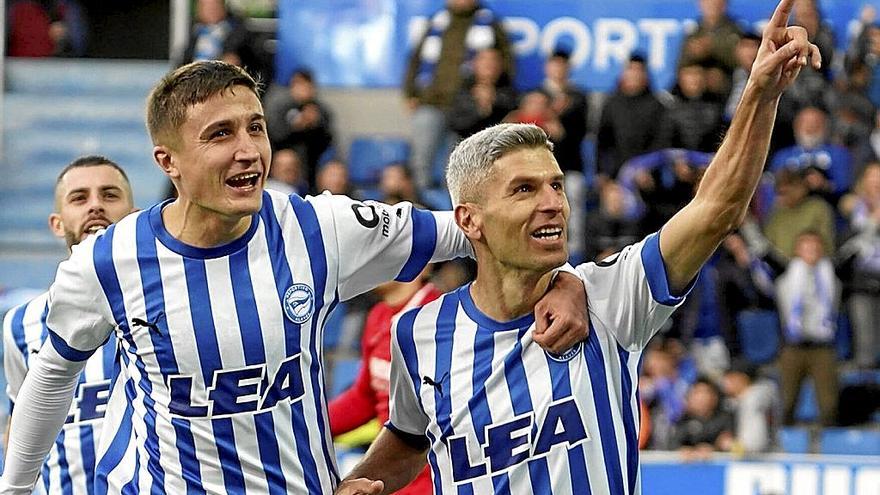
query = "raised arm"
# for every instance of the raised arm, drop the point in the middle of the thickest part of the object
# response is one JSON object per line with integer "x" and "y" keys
{"x": 720, "y": 205}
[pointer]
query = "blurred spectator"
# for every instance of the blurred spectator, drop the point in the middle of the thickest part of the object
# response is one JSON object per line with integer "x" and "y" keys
{"x": 808, "y": 297}
{"x": 694, "y": 121}
{"x": 852, "y": 113}
{"x": 869, "y": 150}
{"x": 535, "y": 108}
{"x": 485, "y": 98}
{"x": 745, "y": 53}
{"x": 666, "y": 377}
{"x": 866, "y": 51}
{"x": 453, "y": 37}
{"x": 714, "y": 40}
{"x": 705, "y": 426}
{"x": 613, "y": 226}
{"x": 861, "y": 255}
{"x": 45, "y": 28}
{"x": 298, "y": 120}
{"x": 333, "y": 177}
{"x": 665, "y": 181}
{"x": 796, "y": 211}
{"x": 396, "y": 184}
{"x": 806, "y": 14}
{"x": 286, "y": 173}
{"x": 755, "y": 407}
{"x": 217, "y": 35}
{"x": 630, "y": 121}
{"x": 367, "y": 398}
{"x": 827, "y": 167}
{"x": 738, "y": 288}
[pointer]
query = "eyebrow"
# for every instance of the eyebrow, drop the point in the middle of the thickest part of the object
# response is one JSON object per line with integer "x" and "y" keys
{"x": 228, "y": 123}
{"x": 86, "y": 189}
{"x": 533, "y": 178}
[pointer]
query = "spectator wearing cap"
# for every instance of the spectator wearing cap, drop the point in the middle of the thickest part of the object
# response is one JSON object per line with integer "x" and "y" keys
{"x": 437, "y": 67}
{"x": 297, "y": 120}
{"x": 755, "y": 406}
{"x": 827, "y": 167}
{"x": 630, "y": 121}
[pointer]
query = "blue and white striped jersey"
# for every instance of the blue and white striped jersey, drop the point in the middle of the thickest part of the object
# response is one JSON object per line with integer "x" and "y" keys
{"x": 505, "y": 417}
{"x": 221, "y": 388}
{"x": 70, "y": 466}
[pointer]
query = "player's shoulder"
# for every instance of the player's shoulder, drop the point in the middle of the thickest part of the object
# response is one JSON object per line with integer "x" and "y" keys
{"x": 626, "y": 254}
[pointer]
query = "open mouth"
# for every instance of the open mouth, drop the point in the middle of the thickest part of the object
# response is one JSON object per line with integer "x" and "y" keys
{"x": 548, "y": 233}
{"x": 95, "y": 226}
{"x": 244, "y": 182}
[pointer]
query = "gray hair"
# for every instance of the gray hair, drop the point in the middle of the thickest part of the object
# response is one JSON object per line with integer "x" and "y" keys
{"x": 472, "y": 160}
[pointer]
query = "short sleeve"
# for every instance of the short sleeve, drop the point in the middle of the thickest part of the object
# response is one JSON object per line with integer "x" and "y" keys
{"x": 629, "y": 292}
{"x": 378, "y": 242}
{"x": 78, "y": 320}
{"x": 405, "y": 410}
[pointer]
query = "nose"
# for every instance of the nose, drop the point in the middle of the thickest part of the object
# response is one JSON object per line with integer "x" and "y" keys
{"x": 551, "y": 200}
{"x": 247, "y": 151}
{"x": 96, "y": 204}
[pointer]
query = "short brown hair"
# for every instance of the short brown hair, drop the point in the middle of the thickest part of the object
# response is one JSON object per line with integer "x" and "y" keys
{"x": 186, "y": 86}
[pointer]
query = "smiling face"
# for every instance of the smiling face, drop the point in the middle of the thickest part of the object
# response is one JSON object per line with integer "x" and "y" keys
{"x": 520, "y": 219}
{"x": 88, "y": 199}
{"x": 220, "y": 159}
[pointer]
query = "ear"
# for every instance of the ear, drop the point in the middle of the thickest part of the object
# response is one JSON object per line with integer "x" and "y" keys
{"x": 469, "y": 220}
{"x": 163, "y": 157}
{"x": 56, "y": 225}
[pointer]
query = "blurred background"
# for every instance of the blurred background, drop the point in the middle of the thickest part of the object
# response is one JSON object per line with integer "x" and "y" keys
{"x": 765, "y": 381}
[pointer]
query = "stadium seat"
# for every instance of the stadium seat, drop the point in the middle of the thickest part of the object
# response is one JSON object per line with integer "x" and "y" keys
{"x": 333, "y": 327}
{"x": 369, "y": 155}
{"x": 850, "y": 441}
{"x": 345, "y": 371}
{"x": 588, "y": 154}
{"x": 794, "y": 440}
{"x": 758, "y": 334}
{"x": 807, "y": 408}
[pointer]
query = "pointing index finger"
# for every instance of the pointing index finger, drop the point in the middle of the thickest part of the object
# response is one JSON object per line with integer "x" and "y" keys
{"x": 781, "y": 14}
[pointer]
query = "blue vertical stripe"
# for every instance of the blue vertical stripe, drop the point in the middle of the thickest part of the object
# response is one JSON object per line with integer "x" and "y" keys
{"x": 63, "y": 467}
{"x": 106, "y": 272}
{"x": 113, "y": 455}
{"x": 87, "y": 454}
{"x": 283, "y": 280}
{"x": 208, "y": 350}
{"x": 154, "y": 302}
{"x": 599, "y": 381}
{"x": 131, "y": 488}
{"x": 255, "y": 353}
{"x": 481, "y": 416}
{"x": 521, "y": 398}
{"x": 424, "y": 242}
{"x": 314, "y": 239}
{"x": 577, "y": 462}
{"x": 45, "y": 475}
{"x": 629, "y": 424}
{"x": 18, "y": 332}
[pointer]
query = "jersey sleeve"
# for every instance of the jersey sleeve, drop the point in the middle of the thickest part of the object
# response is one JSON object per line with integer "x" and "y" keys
{"x": 405, "y": 413}
{"x": 14, "y": 364}
{"x": 379, "y": 242}
{"x": 79, "y": 320}
{"x": 629, "y": 293}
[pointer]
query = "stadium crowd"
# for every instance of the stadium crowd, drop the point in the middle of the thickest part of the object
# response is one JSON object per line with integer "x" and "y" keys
{"x": 795, "y": 293}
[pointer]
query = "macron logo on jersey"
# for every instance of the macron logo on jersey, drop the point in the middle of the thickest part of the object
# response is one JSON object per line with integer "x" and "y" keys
{"x": 239, "y": 390}
{"x": 511, "y": 442}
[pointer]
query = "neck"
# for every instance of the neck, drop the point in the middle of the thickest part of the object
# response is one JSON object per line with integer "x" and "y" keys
{"x": 504, "y": 293}
{"x": 198, "y": 227}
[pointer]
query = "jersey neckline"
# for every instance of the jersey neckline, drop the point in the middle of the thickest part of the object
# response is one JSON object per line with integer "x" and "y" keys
{"x": 183, "y": 249}
{"x": 484, "y": 321}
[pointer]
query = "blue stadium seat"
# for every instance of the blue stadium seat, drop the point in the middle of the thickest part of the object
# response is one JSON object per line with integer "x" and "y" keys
{"x": 334, "y": 326}
{"x": 794, "y": 440}
{"x": 807, "y": 407}
{"x": 437, "y": 199}
{"x": 369, "y": 155}
{"x": 758, "y": 334}
{"x": 345, "y": 371}
{"x": 850, "y": 441}
{"x": 588, "y": 153}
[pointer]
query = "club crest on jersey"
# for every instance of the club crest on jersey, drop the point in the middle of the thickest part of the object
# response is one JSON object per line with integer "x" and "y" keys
{"x": 299, "y": 303}
{"x": 567, "y": 355}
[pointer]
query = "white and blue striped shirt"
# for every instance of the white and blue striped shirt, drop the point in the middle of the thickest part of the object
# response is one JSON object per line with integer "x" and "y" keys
{"x": 221, "y": 387}
{"x": 505, "y": 417}
{"x": 70, "y": 467}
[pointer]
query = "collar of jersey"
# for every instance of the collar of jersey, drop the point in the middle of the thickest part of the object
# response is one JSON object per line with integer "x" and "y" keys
{"x": 467, "y": 303}
{"x": 184, "y": 249}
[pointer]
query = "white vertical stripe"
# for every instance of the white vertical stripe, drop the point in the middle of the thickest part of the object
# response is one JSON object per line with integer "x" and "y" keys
{"x": 423, "y": 337}
{"x": 614, "y": 379}
{"x": 582, "y": 389}
{"x": 249, "y": 453}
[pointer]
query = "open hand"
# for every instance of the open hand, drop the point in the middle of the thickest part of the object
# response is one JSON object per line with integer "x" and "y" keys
{"x": 783, "y": 52}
